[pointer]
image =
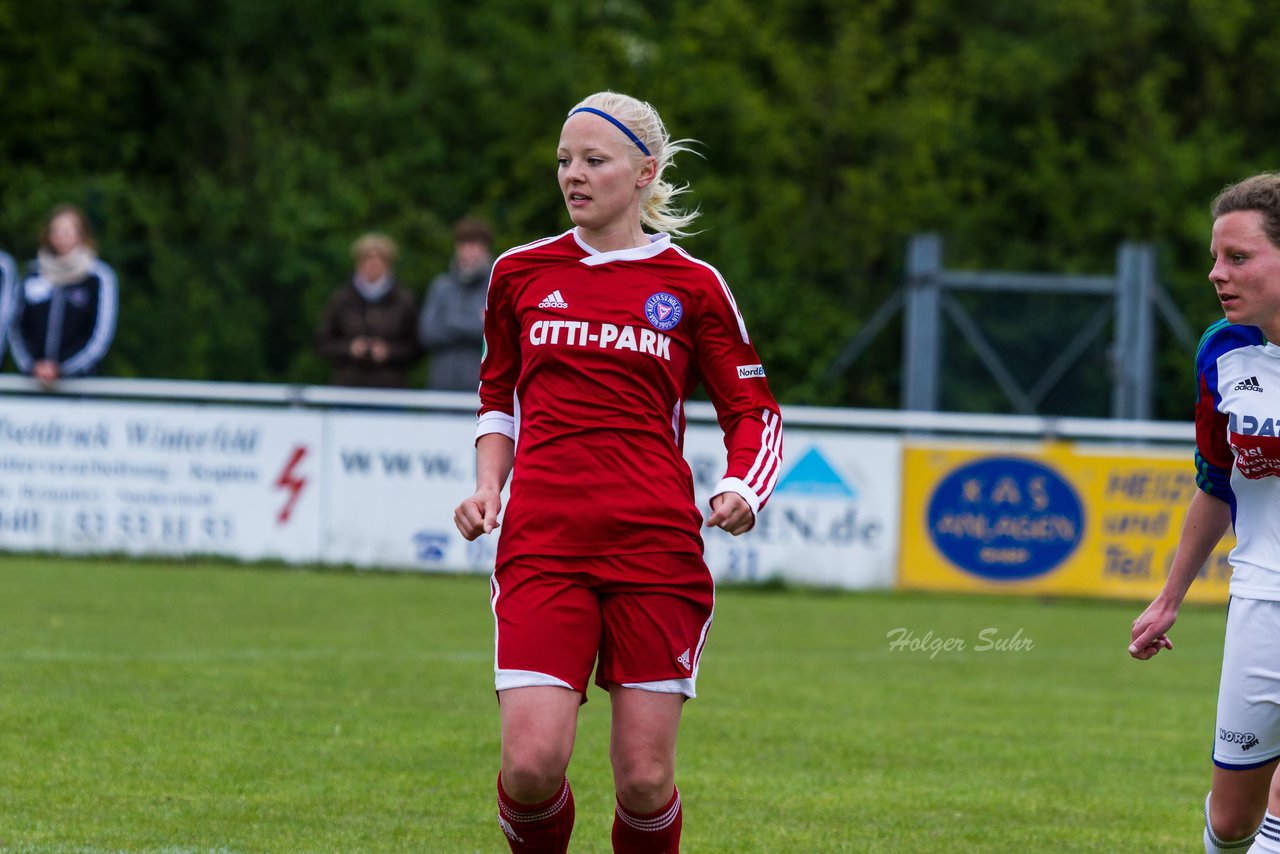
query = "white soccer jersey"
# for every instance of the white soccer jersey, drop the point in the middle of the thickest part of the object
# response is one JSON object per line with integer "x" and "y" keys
{"x": 1238, "y": 448}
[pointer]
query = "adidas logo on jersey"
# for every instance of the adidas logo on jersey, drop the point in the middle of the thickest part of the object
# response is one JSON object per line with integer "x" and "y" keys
{"x": 683, "y": 658}
{"x": 1251, "y": 384}
{"x": 553, "y": 300}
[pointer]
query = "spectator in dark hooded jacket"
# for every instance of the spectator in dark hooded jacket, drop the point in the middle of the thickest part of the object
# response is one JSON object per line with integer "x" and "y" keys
{"x": 64, "y": 310}
{"x": 8, "y": 295}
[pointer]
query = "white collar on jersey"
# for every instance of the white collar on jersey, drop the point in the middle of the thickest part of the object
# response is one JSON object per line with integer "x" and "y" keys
{"x": 657, "y": 243}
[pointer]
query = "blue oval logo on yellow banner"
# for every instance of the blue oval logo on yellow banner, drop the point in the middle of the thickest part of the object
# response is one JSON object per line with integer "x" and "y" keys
{"x": 1005, "y": 518}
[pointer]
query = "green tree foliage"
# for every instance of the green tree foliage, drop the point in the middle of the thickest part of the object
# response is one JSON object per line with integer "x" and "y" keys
{"x": 229, "y": 152}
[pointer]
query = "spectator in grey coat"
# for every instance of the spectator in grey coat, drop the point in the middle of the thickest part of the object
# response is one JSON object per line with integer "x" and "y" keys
{"x": 451, "y": 326}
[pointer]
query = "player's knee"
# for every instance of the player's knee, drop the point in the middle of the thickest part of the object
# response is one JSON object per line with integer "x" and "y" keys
{"x": 530, "y": 785}
{"x": 1230, "y": 822}
{"x": 643, "y": 786}
{"x": 1233, "y": 826}
{"x": 531, "y": 775}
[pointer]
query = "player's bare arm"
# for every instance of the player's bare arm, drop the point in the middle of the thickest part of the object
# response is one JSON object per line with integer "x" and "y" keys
{"x": 478, "y": 514}
{"x": 1206, "y": 521}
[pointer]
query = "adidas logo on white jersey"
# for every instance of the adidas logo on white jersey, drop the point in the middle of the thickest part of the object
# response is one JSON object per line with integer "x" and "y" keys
{"x": 553, "y": 300}
{"x": 683, "y": 658}
{"x": 1250, "y": 384}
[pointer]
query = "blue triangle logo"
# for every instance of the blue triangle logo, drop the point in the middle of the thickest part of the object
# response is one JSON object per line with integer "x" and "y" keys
{"x": 813, "y": 475}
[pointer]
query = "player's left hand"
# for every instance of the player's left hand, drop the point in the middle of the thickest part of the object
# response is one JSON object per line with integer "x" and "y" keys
{"x": 731, "y": 512}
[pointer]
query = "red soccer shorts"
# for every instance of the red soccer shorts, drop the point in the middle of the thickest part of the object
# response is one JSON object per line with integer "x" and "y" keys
{"x": 640, "y": 619}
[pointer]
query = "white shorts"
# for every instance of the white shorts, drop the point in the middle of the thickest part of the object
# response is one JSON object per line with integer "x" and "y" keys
{"x": 1247, "y": 734}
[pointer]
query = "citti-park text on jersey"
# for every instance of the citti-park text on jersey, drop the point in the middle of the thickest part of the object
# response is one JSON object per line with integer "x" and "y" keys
{"x": 582, "y": 333}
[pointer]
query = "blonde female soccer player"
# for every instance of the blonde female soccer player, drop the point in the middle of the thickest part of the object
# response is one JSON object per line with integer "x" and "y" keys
{"x": 595, "y": 338}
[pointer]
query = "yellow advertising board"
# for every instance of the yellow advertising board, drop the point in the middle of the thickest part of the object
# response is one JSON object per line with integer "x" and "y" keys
{"x": 1049, "y": 518}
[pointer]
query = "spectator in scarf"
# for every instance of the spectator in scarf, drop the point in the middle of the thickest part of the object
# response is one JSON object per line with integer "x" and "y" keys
{"x": 64, "y": 309}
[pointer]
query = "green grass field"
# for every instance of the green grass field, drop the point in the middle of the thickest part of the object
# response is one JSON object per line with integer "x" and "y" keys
{"x": 150, "y": 707}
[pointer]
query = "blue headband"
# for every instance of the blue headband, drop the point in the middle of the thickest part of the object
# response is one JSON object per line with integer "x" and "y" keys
{"x": 619, "y": 125}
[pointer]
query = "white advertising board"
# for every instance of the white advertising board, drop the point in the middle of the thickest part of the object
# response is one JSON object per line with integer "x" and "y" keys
{"x": 377, "y": 489}
{"x": 832, "y": 520}
{"x": 391, "y": 483}
{"x": 84, "y": 476}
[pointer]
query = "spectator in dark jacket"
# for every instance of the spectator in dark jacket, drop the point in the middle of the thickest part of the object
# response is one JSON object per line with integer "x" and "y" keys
{"x": 65, "y": 307}
{"x": 8, "y": 283}
{"x": 369, "y": 328}
{"x": 452, "y": 324}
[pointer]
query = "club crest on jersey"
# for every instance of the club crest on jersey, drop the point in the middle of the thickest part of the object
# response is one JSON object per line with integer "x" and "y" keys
{"x": 663, "y": 310}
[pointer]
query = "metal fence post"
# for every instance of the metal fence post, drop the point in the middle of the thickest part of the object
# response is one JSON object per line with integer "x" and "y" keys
{"x": 1133, "y": 348}
{"x": 922, "y": 321}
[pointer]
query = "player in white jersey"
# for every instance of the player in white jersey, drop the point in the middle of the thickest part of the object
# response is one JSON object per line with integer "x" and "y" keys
{"x": 1238, "y": 472}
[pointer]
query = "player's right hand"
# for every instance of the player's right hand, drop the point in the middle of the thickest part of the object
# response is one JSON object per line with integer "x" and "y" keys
{"x": 478, "y": 514}
{"x": 1149, "y": 633}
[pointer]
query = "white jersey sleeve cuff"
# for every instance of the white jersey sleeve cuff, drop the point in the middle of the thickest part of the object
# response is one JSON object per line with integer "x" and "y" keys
{"x": 496, "y": 422}
{"x": 738, "y": 487}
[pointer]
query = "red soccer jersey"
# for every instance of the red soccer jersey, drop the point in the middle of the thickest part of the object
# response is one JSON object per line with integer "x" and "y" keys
{"x": 589, "y": 357}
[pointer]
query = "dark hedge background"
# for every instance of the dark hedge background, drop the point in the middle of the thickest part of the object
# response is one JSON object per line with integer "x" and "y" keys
{"x": 228, "y": 152}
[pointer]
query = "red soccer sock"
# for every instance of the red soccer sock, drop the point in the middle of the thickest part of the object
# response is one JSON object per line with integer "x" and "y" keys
{"x": 653, "y": 833}
{"x": 542, "y": 828}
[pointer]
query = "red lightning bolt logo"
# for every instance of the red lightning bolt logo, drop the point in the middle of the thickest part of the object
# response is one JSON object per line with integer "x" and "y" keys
{"x": 291, "y": 482}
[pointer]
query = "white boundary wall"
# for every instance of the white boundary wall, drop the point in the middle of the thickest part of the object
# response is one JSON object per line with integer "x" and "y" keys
{"x": 310, "y": 474}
